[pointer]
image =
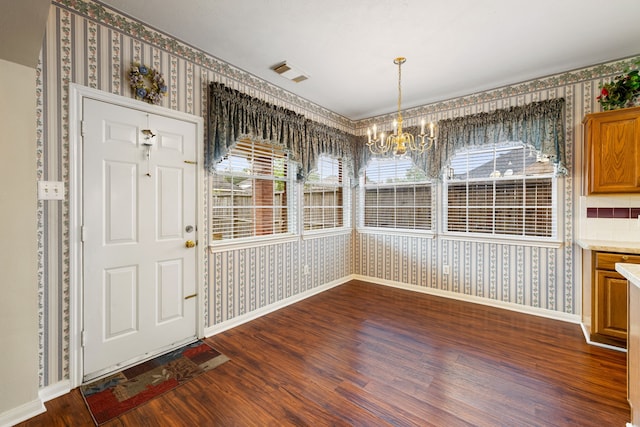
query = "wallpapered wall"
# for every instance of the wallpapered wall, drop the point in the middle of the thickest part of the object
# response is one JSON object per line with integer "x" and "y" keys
{"x": 91, "y": 45}
{"x": 539, "y": 277}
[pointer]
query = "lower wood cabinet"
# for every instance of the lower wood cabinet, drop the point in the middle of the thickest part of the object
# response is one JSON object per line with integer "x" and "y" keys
{"x": 609, "y": 298}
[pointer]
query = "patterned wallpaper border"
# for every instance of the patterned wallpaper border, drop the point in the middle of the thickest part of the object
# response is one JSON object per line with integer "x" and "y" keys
{"x": 493, "y": 96}
{"x": 108, "y": 17}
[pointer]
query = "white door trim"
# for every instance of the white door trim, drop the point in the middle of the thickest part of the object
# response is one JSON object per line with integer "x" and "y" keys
{"x": 76, "y": 95}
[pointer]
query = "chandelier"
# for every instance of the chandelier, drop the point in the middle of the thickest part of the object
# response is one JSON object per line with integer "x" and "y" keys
{"x": 399, "y": 142}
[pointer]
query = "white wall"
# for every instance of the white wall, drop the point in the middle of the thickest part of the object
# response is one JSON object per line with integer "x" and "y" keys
{"x": 18, "y": 279}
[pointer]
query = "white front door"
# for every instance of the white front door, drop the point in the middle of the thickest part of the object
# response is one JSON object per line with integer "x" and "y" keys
{"x": 139, "y": 211}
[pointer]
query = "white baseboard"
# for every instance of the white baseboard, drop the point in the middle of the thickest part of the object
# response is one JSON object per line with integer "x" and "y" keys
{"x": 22, "y": 413}
{"x": 541, "y": 312}
{"x": 54, "y": 390}
{"x": 237, "y": 321}
{"x": 36, "y": 407}
{"x": 587, "y": 338}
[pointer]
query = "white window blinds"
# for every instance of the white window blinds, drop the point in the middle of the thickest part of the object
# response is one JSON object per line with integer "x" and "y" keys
{"x": 397, "y": 195}
{"x": 249, "y": 192}
{"x": 505, "y": 189}
{"x": 323, "y": 205}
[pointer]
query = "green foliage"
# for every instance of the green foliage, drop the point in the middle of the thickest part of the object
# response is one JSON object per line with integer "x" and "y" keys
{"x": 621, "y": 92}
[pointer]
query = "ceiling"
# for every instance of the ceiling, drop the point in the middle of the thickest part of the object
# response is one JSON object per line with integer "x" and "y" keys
{"x": 453, "y": 47}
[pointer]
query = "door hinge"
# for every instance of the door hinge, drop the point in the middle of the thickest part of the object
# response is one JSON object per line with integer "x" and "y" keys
{"x": 81, "y": 127}
{"x": 83, "y": 339}
{"x": 82, "y": 233}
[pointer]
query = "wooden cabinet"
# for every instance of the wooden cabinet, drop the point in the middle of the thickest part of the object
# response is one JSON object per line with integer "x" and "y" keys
{"x": 609, "y": 299}
{"x": 612, "y": 151}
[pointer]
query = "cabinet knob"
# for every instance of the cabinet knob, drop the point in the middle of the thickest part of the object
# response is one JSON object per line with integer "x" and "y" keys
{"x": 625, "y": 257}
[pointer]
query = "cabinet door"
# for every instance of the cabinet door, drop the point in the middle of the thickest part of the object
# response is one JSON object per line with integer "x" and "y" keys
{"x": 611, "y": 304}
{"x": 613, "y": 150}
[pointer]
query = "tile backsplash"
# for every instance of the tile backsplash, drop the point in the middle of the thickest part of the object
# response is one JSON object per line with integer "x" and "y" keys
{"x": 613, "y": 213}
{"x": 612, "y": 218}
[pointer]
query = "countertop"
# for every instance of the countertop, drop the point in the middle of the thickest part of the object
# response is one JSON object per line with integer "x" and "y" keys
{"x": 610, "y": 246}
{"x": 630, "y": 271}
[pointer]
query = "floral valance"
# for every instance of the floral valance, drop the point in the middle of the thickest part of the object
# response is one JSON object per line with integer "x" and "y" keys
{"x": 234, "y": 115}
{"x": 540, "y": 124}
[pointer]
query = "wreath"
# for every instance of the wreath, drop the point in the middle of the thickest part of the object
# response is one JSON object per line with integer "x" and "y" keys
{"x": 147, "y": 83}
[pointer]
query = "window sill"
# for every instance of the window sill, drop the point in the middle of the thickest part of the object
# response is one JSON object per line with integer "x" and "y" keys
{"x": 326, "y": 233}
{"x": 397, "y": 232}
{"x": 251, "y": 242}
{"x": 506, "y": 240}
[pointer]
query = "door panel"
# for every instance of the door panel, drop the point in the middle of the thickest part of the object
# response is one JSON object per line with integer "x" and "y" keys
{"x": 120, "y": 301}
{"x": 171, "y": 296}
{"x": 169, "y": 199}
{"x": 139, "y": 199}
{"x": 121, "y": 210}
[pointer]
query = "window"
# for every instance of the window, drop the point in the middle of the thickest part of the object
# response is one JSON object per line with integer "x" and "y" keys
{"x": 324, "y": 196}
{"x": 250, "y": 192}
{"x": 504, "y": 189}
{"x": 395, "y": 194}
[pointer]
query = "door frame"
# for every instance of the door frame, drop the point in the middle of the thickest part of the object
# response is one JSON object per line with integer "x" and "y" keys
{"x": 77, "y": 94}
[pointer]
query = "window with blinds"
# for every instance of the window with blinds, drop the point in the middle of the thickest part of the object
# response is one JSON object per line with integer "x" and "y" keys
{"x": 324, "y": 194}
{"x": 396, "y": 195}
{"x": 249, "y": 192}
{"x": 505, "y": 189}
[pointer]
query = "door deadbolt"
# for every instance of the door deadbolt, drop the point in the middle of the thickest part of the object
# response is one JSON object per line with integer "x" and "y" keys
{"x": 188, "y": 228}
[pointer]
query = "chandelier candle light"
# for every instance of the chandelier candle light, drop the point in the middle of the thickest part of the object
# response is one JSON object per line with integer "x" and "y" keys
{"x": 399, "y": 142}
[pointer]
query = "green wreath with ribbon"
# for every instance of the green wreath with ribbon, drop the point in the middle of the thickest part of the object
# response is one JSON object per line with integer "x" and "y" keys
{"x": 147, "y": 83}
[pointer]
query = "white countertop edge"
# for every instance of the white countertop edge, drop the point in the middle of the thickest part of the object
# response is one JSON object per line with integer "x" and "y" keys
{"x": 630, "y": 271}
{"x": 609, "y": 246}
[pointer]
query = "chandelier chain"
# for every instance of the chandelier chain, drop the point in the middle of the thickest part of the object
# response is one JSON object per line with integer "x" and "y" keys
{"x": 399, "y": 89}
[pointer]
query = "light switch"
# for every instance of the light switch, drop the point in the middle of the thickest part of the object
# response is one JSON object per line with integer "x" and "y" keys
{"x": 50, "y": 190}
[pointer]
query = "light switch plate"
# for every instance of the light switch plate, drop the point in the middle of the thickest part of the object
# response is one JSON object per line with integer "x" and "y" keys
{"x": 50, "y": 190}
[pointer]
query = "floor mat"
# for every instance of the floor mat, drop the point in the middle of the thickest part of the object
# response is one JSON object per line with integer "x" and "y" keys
{"x": 116, "y": 394}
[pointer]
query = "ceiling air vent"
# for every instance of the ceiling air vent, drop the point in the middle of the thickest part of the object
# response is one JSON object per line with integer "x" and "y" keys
{"x": 290, "y": 72}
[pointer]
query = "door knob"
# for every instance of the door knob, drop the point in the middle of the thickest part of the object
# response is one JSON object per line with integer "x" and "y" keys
{"x": 189, "y": 243}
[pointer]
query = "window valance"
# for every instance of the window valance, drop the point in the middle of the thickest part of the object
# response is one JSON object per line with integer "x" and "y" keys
{"x": 540, "y": 124}
{"x": 234, "y": 115}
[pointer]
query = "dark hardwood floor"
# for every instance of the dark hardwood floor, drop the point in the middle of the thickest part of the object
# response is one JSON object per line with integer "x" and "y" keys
{"x": 369, "y": 355}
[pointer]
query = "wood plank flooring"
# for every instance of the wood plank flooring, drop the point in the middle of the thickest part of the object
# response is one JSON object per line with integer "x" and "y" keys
{"x": 369, "y": 355}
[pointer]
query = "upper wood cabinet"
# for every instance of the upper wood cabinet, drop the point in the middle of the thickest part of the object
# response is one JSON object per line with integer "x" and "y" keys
{"x": 612, "y": 150}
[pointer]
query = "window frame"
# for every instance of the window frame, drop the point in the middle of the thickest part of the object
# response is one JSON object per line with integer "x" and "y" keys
{"x": 254, "y": 240}
{"x": 344, "y": 171}
{"x": 361, "y": 203}
{"x": 553, "y": 240}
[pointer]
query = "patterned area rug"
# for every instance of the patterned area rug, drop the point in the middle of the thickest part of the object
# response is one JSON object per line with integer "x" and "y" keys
{"x": 112, "y": 396}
